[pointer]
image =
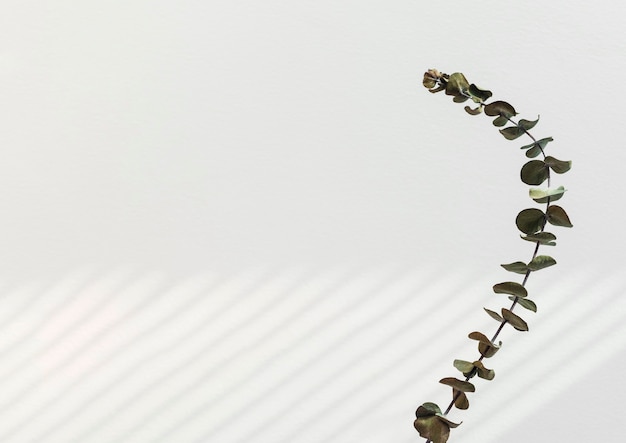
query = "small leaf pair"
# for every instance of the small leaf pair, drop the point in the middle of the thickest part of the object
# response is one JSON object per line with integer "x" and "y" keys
{"x": 536, "y": 264}
{"x": 431, "y": 423}
{"x": 459, "y": 388}
{"x": 485, "y": 346}
{"x": 509, "y": 317}
{"x": 533, "y": 220}
{"x": 535, "y": 172}
{"x": 469, "y": 369}
{"x": 522, "y": 127}
{"x": 536, "y": 148}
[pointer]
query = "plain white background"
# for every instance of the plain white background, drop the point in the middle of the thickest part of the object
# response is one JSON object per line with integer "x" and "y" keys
{"x": 235, "y": 220}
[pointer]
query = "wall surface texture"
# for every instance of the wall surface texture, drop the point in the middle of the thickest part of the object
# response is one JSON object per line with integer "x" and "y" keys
{"x": 235, "y": 221}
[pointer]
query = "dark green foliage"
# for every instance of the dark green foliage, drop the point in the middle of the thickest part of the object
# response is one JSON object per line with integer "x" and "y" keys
{"x": 541, "y": 262}
{"x": 473, "y": 111}
{"x": 514, "y": 320}
{"x": 459, "y": 399}
{"x": 500, "y": 121}
{"x": 460, "y": 385}
{"x": 535, "y": 172}
{"x": 459, "y": 388}
{"x": 500, "y": 109}
{"x": 457, "y": 86}
{"x": 518, "y": 267}
{"x": 431, "y": 422}
{"x": 546, "y": 195}
{"x": 543, "y": 238}
{"x": 485, "y": 346}
{"x": 527, "y": 125}
{"x": 482, "y": 372}
{"x": 512, "y": 132}
{"x": 470, "y": 369}
{"x": 494, "y": 315}
{"x": 525, "y": 303}
{"x": 465, "y": 367}
{"x": 530, "y": 220}
{"x": 536, "y": 148}
{"x": 510, "y": 287}
{"x": 479, "y": 95}
{"x": 557, "y": 216}
{"x": 558, "y": 166}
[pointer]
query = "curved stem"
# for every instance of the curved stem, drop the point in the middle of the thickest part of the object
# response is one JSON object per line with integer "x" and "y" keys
{"x": 524, "y": 281}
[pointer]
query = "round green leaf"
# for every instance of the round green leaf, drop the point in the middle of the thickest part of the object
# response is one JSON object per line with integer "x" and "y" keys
{"x": 530, "y": 220}
{"x": 558, "y": 166}
{"x": 500, "y": 121}
{"x": 518, "y": 267}
{"x": 541, "y": 195}
{"x": 485, "y": 346}
{"x": 463, "y": 366}
{"x": 512, "y": 132}
{"x": 479, "y": 95}
{"x": 435, "y": 428}
{"x": 487, "y": 374}
{"x": 533, "y": 152}
{"x": 557, "y": 216}
{"x": 535, "y": 172}
{"x": 460, "y": 399}
{"x": 536, "y": 148}
{"x": 500, "y": 108}
{"x": 514, "y": 320}
{"x": 487, "y": 351}
{"x": 479, "y": 336}
{"x": 474, "y": 111}
{"x": 525, "y": 303}
{"x": 543, "y": 238}
{"x": 511, "y": 288}
{"x": 527, "y": 124}
{"x": 541, "y": 262}
{"x": 494, "y": 315}
{"x": 427, "y": 409}
{"x": 429, "y": 82}
{"x": 541, "y": 143}
{"x": 432, "y": 428}
{"x": 461, "y": 385}
{"x": 457, "y": 84}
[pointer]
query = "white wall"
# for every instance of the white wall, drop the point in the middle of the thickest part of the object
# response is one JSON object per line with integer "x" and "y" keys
{"x": 236, "y": 220}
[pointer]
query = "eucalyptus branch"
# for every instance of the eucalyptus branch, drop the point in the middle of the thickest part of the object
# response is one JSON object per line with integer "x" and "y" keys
{"x": 431, "y": 423}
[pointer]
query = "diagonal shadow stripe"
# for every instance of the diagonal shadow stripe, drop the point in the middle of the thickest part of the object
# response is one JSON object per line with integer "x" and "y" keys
{"x": 193, "y": 385}
{"x": 55, "y": 312}
{"x": 332, "y": 433}
{"x": 307, "y": 366}
{"x": 371, "y": 407}
{"x": 33, "y": 387}
{"x": 119, "y": 351}
{"x": 28, "y": 297}
{"x": 253, "y": 373}
{"x": 583, "y": 340}
{"x": 397, "y": 331}
{"x": 172, "y": 317}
